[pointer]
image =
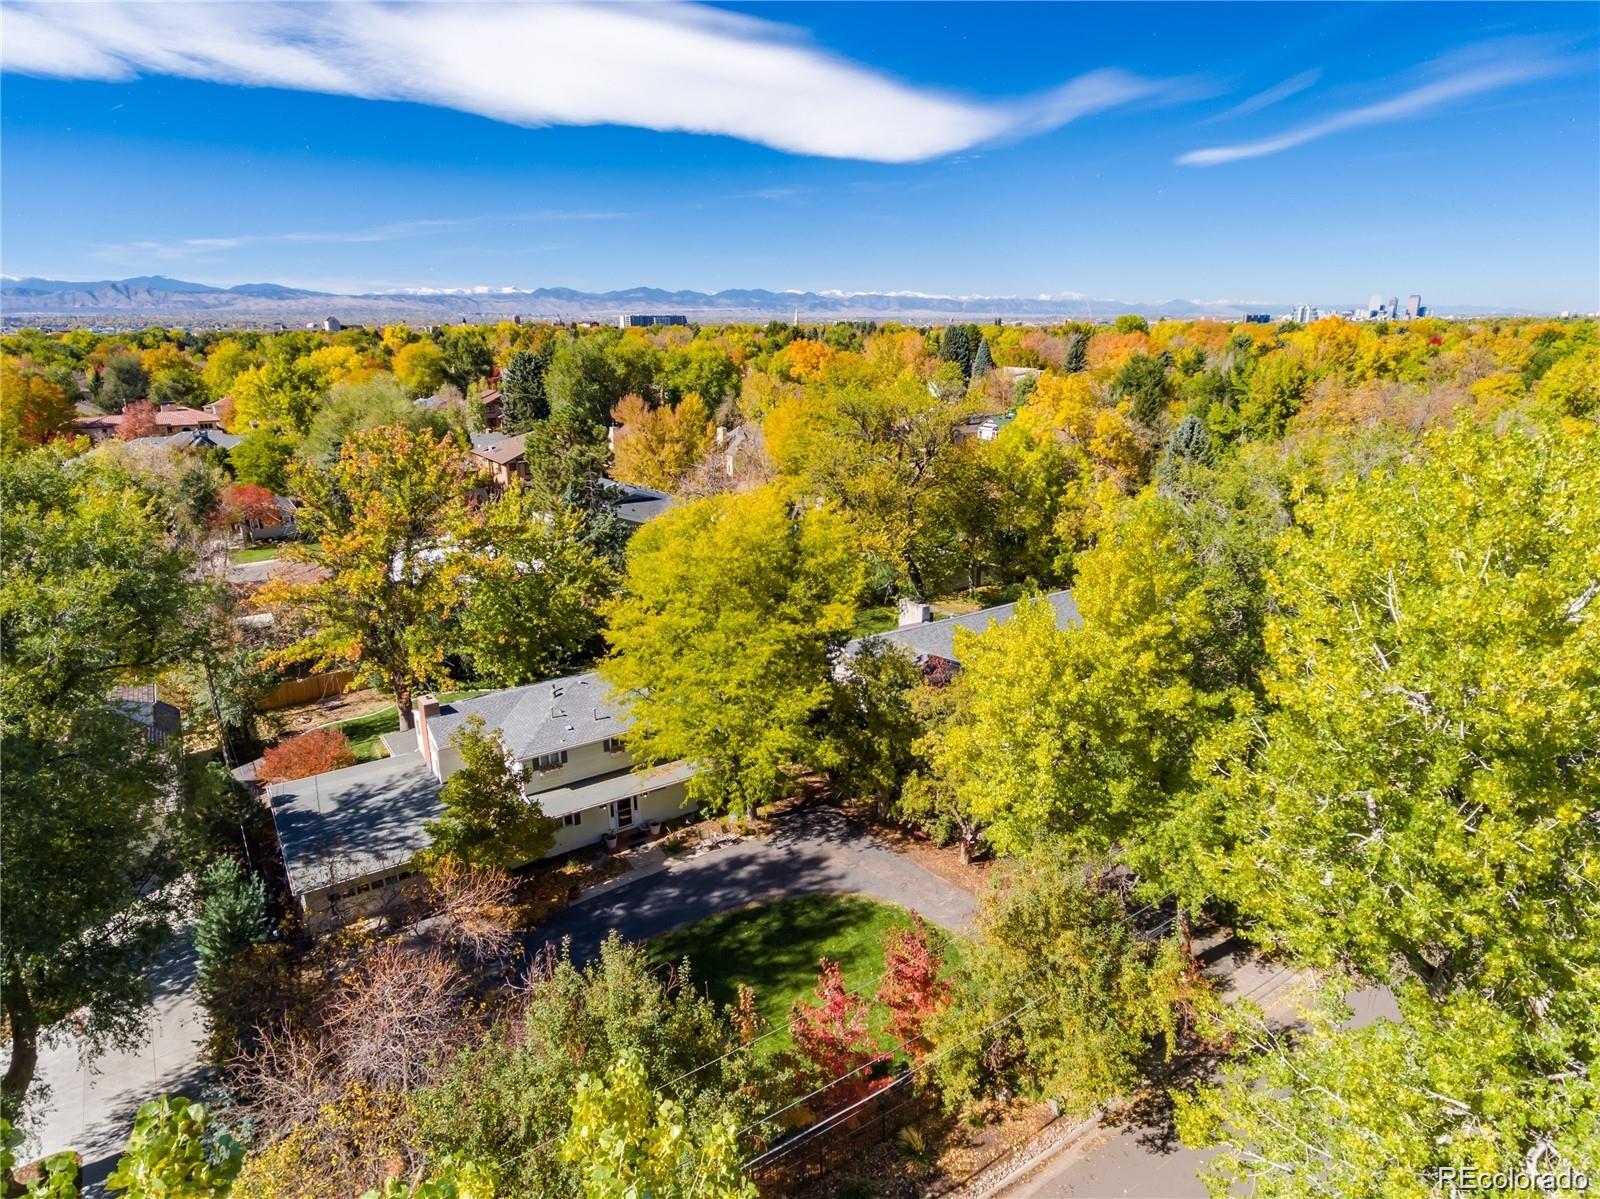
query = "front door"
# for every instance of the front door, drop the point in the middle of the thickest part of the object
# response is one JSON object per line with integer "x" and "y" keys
{"x": 622, "y": 812}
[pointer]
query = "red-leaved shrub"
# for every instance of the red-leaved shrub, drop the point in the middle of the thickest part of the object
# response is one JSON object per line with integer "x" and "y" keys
{"x": 308, "y": 754}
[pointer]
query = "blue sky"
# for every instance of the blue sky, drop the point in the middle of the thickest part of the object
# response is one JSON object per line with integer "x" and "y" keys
{"x": 1143, "y": 152}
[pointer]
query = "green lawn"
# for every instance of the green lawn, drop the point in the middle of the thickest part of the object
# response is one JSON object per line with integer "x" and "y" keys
{"x": 775, "y": 948}
{"x": 364, "y": 731}
{"x": 253, "y": 553}
{"x": 875, "y": 620}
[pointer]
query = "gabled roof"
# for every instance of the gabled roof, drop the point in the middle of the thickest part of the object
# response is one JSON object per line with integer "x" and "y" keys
{"x": 937, "y": 638}
{"x": 541, "y": 717}
{"x": 502, "y": 451}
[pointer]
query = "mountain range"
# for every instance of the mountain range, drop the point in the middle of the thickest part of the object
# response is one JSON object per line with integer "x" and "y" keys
{"x": 152, "y": 298}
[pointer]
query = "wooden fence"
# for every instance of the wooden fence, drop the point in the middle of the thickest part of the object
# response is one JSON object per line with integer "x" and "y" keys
{"x": 303, "y": 691}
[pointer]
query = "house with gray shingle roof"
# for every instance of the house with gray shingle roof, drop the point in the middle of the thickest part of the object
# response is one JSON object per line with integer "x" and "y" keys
{"x": 349, "y": 836}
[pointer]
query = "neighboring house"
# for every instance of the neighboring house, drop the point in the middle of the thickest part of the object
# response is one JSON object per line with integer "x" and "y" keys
{"x": 161, "y": 721}
{"x": 493, "y": 409}
{"x": 931, "y": 642}
{"x": 191, "y": 440}
{"x": 284, "y": 528}
{"x": 349, "y": 836}
{"x": 501, "y": 456}
{"x": 636, "y": 505}
{"x": 170, "y": 418}
{"x": 983, "y": 428}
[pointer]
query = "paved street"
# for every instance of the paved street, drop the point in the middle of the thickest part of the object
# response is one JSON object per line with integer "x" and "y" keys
{"x": 1136, "y": 1155}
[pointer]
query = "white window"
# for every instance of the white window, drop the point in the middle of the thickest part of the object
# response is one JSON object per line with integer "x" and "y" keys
{"x": 572, "y": 820}
{"x": 612, "y": 745}
{"x": 551, "y": 761}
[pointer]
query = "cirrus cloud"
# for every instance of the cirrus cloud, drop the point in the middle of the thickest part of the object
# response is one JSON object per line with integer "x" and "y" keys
{"x": 1482, "y": 69}
{"x": 671, "y": 67}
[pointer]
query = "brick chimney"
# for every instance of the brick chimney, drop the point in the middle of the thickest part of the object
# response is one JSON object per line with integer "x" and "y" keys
{"x": 425, "y": 706}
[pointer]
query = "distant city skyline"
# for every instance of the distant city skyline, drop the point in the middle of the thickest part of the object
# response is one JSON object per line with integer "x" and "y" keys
{"x": 1260, "y": 154}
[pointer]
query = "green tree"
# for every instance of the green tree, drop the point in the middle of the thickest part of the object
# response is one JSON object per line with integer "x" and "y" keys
{"x": 1130, "y": 322}
{"x": 173, "y": 1153}
{"x": 233, "y": 916}
{"x": 387, "y": 525}
{"x": 891, "y": 456}
{"x": 982, "y": 360}
{"x": 466, "y": 356}
{"x": 1381, "y": 1110}
{"x": 505, "y": 1102}
{"x": 1420, "y": 787}
{"x": 356, "y": 407}
{"x": 724, "y": 639}
{"x": 533, "y": 603}
{"x": 627, "y": 1140}
{"x": 1272, "y": 396}
{"x": 957, "y": 345}
{"x": 1077, "y": 358}
{"x": 874, "y": 724}
{"x": 701, "y": 368}
{"x": 1059, "y": 996}
{"x": 1189, "y": 445}
{"x": 282, "y": 393}
{"x": 1142, "y": 382}
{"x": 1082, "y": 733}
{"x": 178, "y": 385}
{"x": 262, "y": 457}
{"x": 122, "y": 381}
{"x": 585, "y": 380}
{"x": 523, "y": 399}
{"x": 487, "y": 820}
{"x": 92, "y": 592}
{"x": 567, "y": 469}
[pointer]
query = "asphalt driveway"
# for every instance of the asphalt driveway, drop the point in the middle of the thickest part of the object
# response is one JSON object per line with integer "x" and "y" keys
{"x": 815, "y": 851}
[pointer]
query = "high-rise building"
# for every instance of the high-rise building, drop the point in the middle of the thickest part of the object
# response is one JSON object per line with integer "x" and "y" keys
{"x": 1414, "y": 307}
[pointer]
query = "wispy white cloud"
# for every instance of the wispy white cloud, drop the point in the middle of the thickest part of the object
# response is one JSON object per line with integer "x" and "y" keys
{"x": 792, "y": 192}
{"x": 191, "y": 248}
{"x": 1275, "y": 94}
{"x": 673, "y": 67}
{"x": 1482, "y": 69}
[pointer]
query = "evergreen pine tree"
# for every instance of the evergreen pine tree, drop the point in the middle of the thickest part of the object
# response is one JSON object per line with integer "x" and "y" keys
{"x": 982, "y": 361}
{"x": 1077, "y": 354}
{"x": 523, "y": 399}
{"x": 954, "y": 347}
{"x": 233, "y": 915}
{"x": 1189, "y": 445}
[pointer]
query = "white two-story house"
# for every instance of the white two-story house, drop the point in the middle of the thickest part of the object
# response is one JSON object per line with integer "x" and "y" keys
{"x": 566, "y": 737}
{"x": 350, "y": 837}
